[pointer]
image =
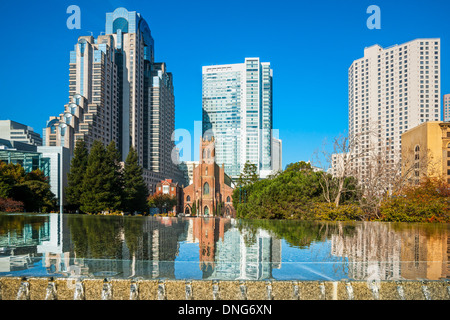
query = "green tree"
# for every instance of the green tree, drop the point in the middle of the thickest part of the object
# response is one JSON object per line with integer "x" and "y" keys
{"x": 290, "y": 194}
{"x": 34, "y": 192}
{"x": 99, "y": 185}
{"x": 162, "y": 202}
{"x": 75, "y": 177}
{"x": 194, "y": 209}
{"x": 249, "y": 174}
{"x": 135, "y": 190}
{"x": 10, "y": 175}
{"x": 114, "y": 175}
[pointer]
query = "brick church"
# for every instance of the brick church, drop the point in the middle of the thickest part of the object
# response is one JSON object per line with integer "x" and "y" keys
{"x": 211, "y": 192}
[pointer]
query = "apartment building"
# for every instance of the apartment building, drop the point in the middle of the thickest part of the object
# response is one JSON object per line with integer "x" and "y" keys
{"x": 391, "y": 90}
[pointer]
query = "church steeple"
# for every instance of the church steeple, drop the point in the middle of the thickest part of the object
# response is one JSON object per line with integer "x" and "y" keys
{"x": 207, "y": 150}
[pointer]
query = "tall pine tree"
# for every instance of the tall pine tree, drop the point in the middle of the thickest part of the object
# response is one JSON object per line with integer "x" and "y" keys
{"x": 99, "y": 184}
{"x": 135, "y": 190}
{"x": 75, "y": 177}
{"x": 115, "y": 175}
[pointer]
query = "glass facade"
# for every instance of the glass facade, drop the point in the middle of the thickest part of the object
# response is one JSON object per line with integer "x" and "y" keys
{"x": 30, "y": 161}
{"x": 237, "y": 109}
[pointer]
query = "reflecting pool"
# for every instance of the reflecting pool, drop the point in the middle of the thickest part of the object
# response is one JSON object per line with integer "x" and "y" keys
{"x": 220, "y": 249}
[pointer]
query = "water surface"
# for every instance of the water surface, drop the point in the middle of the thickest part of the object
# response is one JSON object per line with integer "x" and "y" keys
{"x": 220, "y": 249}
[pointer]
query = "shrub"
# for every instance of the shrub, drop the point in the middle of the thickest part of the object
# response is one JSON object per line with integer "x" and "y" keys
{"x": 427, "y": 202}
{"x": 329, "y": 212}
{"x": 10, "y": 205}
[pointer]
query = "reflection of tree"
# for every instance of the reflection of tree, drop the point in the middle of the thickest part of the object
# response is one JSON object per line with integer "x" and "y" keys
{"x": 133, "y": 230}
{"x": 18, "y": 222}
{"x": 78, "y": 233}
{"x": 297, "y": 233}
{"x": 96, "y": 237}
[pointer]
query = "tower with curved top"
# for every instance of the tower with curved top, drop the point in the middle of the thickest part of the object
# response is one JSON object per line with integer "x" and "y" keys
{"x": 117, "y": 92}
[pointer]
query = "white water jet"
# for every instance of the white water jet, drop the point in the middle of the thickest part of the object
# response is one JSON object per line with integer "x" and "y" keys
{"x": 51, "y": 291}
{"x": 188, "y": 290}
{"x": 374, "y": 287}
{"x": 349, "y": 288}
{"x": 134, "y": 291}
{"x": 79, "y": 291}
{"x": 425, "y": 291}
{"x": 296, "y": 290}
{"x": 322, "y": 291}
{"x": 24, "y": 291}
{"x": 215, "y": 289}
{"x": 161, "y": 290}
{"x": 401, "y": 292}
{"x": 107, "y": 290}
{"x": 243, "y": 290}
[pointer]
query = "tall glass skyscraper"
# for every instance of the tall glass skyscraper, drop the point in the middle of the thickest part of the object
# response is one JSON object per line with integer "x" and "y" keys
{"x": 237, "y": 110}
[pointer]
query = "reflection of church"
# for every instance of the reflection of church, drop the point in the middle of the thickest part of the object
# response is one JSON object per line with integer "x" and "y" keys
{"x": 211, "y": 193}
{"x": 208, "y": 231}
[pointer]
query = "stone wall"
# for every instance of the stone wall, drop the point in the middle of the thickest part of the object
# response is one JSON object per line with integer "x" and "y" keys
{"x": 136, "y": 289}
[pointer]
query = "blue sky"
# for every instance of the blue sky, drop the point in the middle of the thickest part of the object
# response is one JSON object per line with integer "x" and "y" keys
{"x": 310, "y": 44}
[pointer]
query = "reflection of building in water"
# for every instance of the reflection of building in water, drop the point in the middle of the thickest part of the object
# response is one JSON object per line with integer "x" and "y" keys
{"x": 156, "y": 249}
{"x": 378, "y": 251}
{"x": 426, "y": 253}
{"x": 19, "y": 245}
{"x": 241, "y": 255}
{"x": 373, "y": 251}
{"x": 208, "y": 231}
{"x": 144, "y": 248}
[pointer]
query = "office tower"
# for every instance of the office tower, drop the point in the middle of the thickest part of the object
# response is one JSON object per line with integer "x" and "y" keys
{"x": 446, "y": 110}
{"x": 277, "y": 159}
{"x": 237, "y": 108}
{"x": 17, "y": 132}
{"x": 119, "y": 93}
{"x": 161, "y": 120}
{"x": 391, "y": 91}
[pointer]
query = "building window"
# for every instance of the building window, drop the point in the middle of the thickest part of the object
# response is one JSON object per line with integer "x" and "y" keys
{"x": 206, "y": 188}
{"x": 206, "y": 211}
{"x": 188, "y": 199}
{"x": 228, "y": 199}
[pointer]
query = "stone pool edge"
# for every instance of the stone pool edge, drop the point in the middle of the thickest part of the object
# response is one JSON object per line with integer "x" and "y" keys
{"x": 35, "y": 288}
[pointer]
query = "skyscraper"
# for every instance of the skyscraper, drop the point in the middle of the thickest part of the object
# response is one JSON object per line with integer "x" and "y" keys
{"x": 237, "y": 108}
{"x": 391, "y": 91}
{"x": 446, "y": 107}
{"x": 14, "y": 131}
{"x": 119, "y": 93}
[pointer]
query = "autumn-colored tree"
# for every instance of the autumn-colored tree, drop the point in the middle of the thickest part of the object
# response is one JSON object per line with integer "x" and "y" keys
{"x": 162, "y": 201}
{"x": 428, "y": 201}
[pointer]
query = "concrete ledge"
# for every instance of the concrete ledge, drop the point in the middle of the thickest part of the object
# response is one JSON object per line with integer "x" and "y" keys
{"x": 138, "y": 289}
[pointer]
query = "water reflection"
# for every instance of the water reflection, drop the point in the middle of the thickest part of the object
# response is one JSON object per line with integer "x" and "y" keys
{"x": 223, "y": 249}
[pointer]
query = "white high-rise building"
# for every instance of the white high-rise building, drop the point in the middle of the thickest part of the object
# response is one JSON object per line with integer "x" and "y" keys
{"x": 446, "y": 107}
{"x": 392, "y": 90}
{"x": 237, "y": 108}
